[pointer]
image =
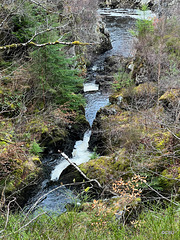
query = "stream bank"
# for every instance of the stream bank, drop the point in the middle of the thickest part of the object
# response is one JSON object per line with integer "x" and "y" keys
{"x": 96, "y": 91}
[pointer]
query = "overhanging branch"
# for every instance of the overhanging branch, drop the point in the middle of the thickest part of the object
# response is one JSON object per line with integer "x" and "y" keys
{"x": 28, "y": 44}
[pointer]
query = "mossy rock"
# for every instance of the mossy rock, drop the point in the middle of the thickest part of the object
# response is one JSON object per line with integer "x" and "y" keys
{"x": 143, "y": 96}
{"x": 161, "y": 140}
{"x": 146, "y": 89}
{"x": 170, "y": 178}
{"x": 116, "y": 97}
{"x": 106, "y": 168}
{"x": 171, "y": 98}
{"x": 19, "y": 167}
{"x": 37, "y": 125}
{"x": 80, "y": 120}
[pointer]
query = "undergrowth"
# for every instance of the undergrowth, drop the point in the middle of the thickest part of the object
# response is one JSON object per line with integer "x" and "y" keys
{"x": 93, "y": 223}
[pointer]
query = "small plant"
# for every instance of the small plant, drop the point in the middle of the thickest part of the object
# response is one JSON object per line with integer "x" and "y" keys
{"x": 129, "y": 188}
{"x": 122, "y": 79}
{"x": 143, "y": 26}
{"x": 94, "y": 154}
{"x": 35, "y": 148}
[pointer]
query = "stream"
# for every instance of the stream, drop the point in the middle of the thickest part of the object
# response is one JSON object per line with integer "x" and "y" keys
{"x": 118, "y": 22}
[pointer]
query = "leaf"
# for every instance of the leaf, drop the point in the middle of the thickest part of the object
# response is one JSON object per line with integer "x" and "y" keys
{"x": 87, "y": 189}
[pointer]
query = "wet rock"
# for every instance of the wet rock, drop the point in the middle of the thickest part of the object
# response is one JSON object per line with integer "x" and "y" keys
{"x": 104, "y": 38}
{"x": 100, "y": 79}
{"x": 126, "y": 3}
{"x": 98, "y": 138}
{"x": 114, "y": 63}
{"x": 70, "y": 175}
{"x": 64, "y": 138}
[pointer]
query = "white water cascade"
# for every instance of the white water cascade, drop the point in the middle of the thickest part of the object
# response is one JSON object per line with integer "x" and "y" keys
{"x": 80, "y": 155}
{"x": 118, "y": 22}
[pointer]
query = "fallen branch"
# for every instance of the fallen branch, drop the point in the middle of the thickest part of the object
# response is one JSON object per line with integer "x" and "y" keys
{"x": 154, "y": 190}
{"x": 88, "y": 180}
{"x": 79, "y": 170}
{"x": 45, "y": 195}
{"x": 104, "y": 189}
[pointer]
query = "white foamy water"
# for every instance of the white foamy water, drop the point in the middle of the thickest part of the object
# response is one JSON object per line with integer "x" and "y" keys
{"x": 132, "y": 13}
{"x": 91, "y": 87}
{"x": 80, "y": 155}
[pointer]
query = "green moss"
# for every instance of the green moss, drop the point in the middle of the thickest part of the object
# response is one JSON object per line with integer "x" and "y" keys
{"x": 36, "y": 160}
{"x": 106, "y": 167}
{"x": 170, "y": 95}
{"x": 170, "y": 178}
{"x": 148, "y": 88}
{"x": 161, "y": 140}
{"x": 37, "y": 125}
{"x": 115, "y": 96}
{"x": 81, "y": 119}
{"x": 3, "y": 143}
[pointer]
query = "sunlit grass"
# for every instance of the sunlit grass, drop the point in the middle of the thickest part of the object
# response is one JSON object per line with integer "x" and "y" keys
{"x": 153, "y": 223}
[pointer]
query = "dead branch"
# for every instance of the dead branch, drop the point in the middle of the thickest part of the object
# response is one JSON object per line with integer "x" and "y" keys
{"x": 8, "y": 209}
{"x": 154, "y": 190}
{"x": 24, "y": 225}
{"x": 104, "y": 189}
{"x": 79, "y": 170}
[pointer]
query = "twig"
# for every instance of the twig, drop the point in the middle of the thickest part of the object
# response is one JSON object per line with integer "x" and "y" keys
{"x": 24, "y": 225}
{"x": 172, "y": 133}
{"x": 155, "y": 190}
{"x": 8, "y": 208}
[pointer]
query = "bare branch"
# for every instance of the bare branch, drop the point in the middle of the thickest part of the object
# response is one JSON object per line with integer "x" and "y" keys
{"x": 43, "y": 196}
{"x": 16, "y": 45}
{"x": 8, "y": 208}
{"x": 40, "y": 5}
{"x": 159, "y": 194}
{"x": 24, "y": 225}
{"x": 10, "y": 13}
{"x": 172, "y": 133}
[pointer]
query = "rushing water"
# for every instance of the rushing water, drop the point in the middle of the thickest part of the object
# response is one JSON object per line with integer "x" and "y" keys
{"x": 118, "y": 22}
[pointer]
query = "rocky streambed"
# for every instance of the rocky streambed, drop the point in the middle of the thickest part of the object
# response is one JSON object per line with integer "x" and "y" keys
{"x": 96, "y": 91}
{"x": 123, "y": 127}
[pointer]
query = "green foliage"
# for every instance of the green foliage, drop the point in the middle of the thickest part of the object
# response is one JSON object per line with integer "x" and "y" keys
{"x": 35, "y": 148}
{"x": 144, "y": 7}
{"x": 27, "y": 21}
{"x": 122, "y": 79}
{"x": 58, "y": 79}
{"x": 143, "y": 26}
{"x": 94, "y": 155}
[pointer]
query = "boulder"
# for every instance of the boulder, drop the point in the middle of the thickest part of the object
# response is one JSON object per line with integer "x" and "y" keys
{"x": 104, "y": 38}
{"x": 170, "y": 100}
{"x": 70, "y": 175}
